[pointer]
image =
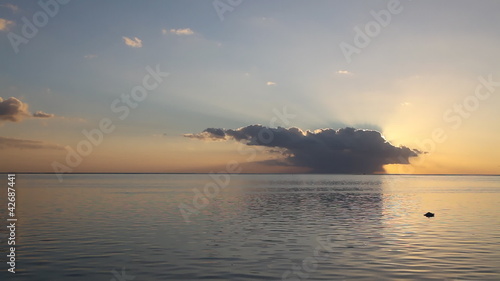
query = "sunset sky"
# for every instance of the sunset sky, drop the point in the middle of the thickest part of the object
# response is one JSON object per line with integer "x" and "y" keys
{"x": 425, "y": 74}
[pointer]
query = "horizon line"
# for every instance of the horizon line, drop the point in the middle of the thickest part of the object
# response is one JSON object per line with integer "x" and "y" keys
{"x": 206, "y": 173}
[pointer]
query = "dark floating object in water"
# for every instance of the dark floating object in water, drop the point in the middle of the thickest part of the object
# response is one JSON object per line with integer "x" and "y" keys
{"x": 429, "y": 214}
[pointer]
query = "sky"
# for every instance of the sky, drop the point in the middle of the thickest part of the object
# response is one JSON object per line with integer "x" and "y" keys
{"x": 267, "y": 86}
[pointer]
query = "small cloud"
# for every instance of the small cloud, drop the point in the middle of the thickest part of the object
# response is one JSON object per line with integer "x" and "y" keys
{"x": 5, "y": 24}
{"x": 15, "y": 110}
{"x": 343, "y": 72}
{"x": 134, "y": 43}
{"x": 41, "y": 114}
{"x": 26, "y": 144}
{"x": 180, "y": 31}
{"x": 271, "y": 83}
{"x": 90, "y": 57}
{"x": 11, "y": 7}
{"x": 405, "y": 104}
{"x": 164, "y": 31}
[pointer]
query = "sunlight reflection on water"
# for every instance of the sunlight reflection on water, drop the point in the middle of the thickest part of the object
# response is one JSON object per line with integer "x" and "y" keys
{"x": 259, "y": 227}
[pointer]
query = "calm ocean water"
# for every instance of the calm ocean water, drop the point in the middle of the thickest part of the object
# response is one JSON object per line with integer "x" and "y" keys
{"x": 259, "y": 227}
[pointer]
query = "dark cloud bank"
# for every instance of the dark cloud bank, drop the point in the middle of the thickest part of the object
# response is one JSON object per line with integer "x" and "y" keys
{"x": 346, "y": 150}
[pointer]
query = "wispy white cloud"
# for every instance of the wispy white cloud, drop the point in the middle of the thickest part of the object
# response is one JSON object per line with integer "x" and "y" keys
{"x": 5, "y": 24}
{"x": 271, "y": 83}
{"x": 180, "y": 31}
{"x": 134, "y": 43}
{"x": 344, "y": 72}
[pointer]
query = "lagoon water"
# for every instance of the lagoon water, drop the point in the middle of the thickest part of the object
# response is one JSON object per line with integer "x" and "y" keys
{"x": 259, "y": 227}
